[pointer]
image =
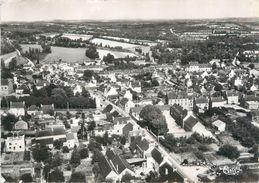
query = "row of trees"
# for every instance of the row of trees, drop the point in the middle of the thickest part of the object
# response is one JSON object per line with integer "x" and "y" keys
{"x": 57, "y": 95}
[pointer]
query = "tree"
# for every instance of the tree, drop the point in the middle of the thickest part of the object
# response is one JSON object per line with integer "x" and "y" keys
{"x": 41, "y": 153}
{"x": 58, "y": 144}
{"x": 77, "y": 177}
{"x": 218, "y": 87}
{"x": 6, "y": 73}
{"x": 56, "y": 160}
{"x": 26, "y": 178}
{"x": 91, "y": 126}
{"x": 251, "y": 66}
{"x": 123, "y": 140}
{"x": 109, "y": 58}
{"x": 84, "y": 153}
{"x": 75, "y": 158}
{"x": 65, "y": 149}
{"x": 56, "y": 176}
{"x": 85, "y": 93}
{"x": 91, "y": 52}
{"x": 88, "y": 74}
{"x": 154, "y": 119}
{"x": 13, "y": 64}
{"x": 155, "y": 82}
{"x": 228, "y": 151}
{"x": 40, "y": 93}
{"x": 8, "y": 121}
{"x": 127, "y": 178}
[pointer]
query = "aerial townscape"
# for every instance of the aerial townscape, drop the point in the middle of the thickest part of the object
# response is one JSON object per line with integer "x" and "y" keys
{"x": 130, "y": 101}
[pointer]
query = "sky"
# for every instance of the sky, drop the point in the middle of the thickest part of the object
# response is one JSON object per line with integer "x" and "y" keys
{"x": 38, "y": 10}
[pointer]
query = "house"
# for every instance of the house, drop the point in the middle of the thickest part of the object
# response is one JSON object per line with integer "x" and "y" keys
{"x": 71, "y": 140}
{"x": 135, "y": 86}
{"x": 180, "y": 98}
{"x": 251, "y": 102}
{"x": 145, "y": 101}
{"x": 193, "y": 66}
{"x": 169, "y": 173}
{"x": 196, "y": 67}
{"x": 6, "y": 87}
{"x": 238, "y": 82}
{"x": 106, "y": 169}
{"x": 118, "y": 124}
{"x": 191, "y": 123}
{"x": 21, "y": 125}
{"x": 41, "y": 83}
{"x": 232, "y": 97}
{"x": 126, "y": 104}
{"x": 219, "y": 125}
{"x": 110, "y": 91}
{"x": 127, "y": 129}
{"x": 77, "y": 89}
{"x": 15, "y": 144}
{"x": 178, "y": 113}
{"x": 128, "y": 95}
{"x": 202, "y": 103}
{"x": 47, "y": 109}
{"x": 119, "y": 164}
{"x": 21, "y": 89}
{"x": 55, "y": 133}
{"x": 157, "y": 158}
{"x": 135, "y": 111}
{"x": 32, "y": 110}
{"x": 139, "y": 145}
{"x": 255, "y": 115}
{"x": 218, "y": 101}
{"x": 17, "y": 108}
{"x": 49, "y": 142}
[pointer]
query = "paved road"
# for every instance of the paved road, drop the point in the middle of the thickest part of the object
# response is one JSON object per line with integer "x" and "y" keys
{"x": 171, "y": 157}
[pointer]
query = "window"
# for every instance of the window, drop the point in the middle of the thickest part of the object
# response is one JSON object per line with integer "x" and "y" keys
{"x": 166, "y": 171}
{"x": 13, "y": 148}
{"x": 10, "y": 144}
{"x": 20, "y": 147}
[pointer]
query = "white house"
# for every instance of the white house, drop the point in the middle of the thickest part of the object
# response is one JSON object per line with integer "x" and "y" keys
{"x": 202, "y": 102}
{"x": 238, "y": 82}
{"x": 17, "y": 108}
{"x": 180, "y": 98}
{"x": 128, "y": 95}
{"x": 135, "y": 86}
{"x": 118, "y": 125}
{"x": 72, "y": 140}
{"x": 77, "y": 89}
{"x": 21, "y": 125}
{"x": 110, "y": 91}
{"x": 232, "y": 97}
{"x": 218, "y": 101}
{"x": 15, "y": 144}
{"x": 219, "y": 125}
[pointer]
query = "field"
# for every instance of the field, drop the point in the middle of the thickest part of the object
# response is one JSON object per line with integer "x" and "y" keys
{"x": 77, "y": 36}
{"x": 71, "y": 55}
{"x": 110, "y": 43}
{"x": 116, "y": 54}
{"x": 146, "y": 42}
{"x": 51, "y": 35}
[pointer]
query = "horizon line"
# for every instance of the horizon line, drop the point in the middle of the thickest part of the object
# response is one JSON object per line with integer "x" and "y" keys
{"x": 127, "y": 20}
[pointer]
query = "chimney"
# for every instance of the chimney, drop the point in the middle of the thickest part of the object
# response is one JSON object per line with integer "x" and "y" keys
{"x": 117, "y": 168}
